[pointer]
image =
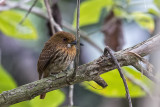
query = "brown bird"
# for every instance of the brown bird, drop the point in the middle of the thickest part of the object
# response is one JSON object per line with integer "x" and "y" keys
{"x": 59, "y": 51}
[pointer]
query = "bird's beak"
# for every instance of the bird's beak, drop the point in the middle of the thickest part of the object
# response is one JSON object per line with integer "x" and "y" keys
{"x": 75, "y": 43}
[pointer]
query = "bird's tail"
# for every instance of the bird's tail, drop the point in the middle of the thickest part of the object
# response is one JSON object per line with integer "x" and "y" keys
{"x": 42, "y": 96}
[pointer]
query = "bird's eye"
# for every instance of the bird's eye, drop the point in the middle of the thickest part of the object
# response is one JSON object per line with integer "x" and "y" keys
{"x": 65, "y": 39}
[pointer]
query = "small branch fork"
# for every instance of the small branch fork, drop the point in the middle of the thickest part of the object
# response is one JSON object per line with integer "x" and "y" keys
{"x": 108, "y": 50}
{"x": 49, "y": 11}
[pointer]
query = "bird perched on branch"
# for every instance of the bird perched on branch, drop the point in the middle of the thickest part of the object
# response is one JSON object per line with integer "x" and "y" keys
{"x": 59, "y": 51}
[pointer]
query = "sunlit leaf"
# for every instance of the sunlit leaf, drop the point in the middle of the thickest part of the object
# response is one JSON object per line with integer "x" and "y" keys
{"x": 90, "y": 11}
{"x": 116, "y": 87}
{"x": 6, "y": 81}
{"x": 144, "y": 20}
{"x": 52, "y": 99}
{"x": 9, "y": 25}
{"x": 22, "y": 104}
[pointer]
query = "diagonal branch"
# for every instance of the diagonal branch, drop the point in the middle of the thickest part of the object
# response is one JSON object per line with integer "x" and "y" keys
{"x": 86, "y": 72}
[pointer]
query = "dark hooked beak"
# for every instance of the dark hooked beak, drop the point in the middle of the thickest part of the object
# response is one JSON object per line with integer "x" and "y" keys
{"x": 75, "y": 43}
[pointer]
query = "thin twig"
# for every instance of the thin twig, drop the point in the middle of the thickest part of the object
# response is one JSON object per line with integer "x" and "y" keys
{"x": 107, "y": 49}
{"x": 49, "y": 11}
{"x": 0, "y": 56}
{"x": 2, "y": 2}
{"x": 140, "y": 68}
{"x": 149, "y": 65}
{"x": 28, "y": 12}
{"x": 11, "y": 5}
{"x": 76, "y": 62}
{"x": 71, "y": 90}
{"x": 138, "y": 82}
{"x": 51, "y": 19}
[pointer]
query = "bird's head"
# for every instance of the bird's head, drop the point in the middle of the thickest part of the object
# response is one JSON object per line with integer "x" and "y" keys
{"x": 64, "y": 39}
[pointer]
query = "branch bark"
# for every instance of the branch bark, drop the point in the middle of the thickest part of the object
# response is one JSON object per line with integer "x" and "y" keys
{"x": 86, "y": 72}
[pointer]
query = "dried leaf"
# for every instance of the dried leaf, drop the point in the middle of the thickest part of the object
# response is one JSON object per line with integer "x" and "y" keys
{"x": 112, "y": 29}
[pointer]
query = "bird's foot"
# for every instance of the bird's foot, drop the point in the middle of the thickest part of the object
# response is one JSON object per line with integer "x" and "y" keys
{"x": 58, "y": 75}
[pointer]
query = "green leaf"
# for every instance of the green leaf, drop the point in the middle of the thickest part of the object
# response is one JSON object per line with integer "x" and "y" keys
{"x": 90, "y": 11}
{"x": 22, "y": 104}
{"x": 119, "y": 12}
{"x": 6, "y": 81}
{"x": 155, "y": 12}
{"x": 144, "y": 20}
{"x": 52, "y": 99}
{"x": 9, "y": 25}
{"x": 116, "y": 87}
{"x": 157, "y": 2}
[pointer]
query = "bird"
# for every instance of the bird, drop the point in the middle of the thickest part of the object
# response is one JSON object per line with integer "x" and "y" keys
{"x": 58, "y": 53}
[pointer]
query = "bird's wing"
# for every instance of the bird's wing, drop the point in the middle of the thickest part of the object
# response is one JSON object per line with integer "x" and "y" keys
{"x": 45, "y": 58}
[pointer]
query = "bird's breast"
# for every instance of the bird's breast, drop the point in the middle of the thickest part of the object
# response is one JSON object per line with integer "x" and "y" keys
{"x": 62, "y": 60}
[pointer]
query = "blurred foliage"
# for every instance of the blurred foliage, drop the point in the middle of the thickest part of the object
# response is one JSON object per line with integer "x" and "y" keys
{"x": 53, "y": 99}
{"x": 157, "y": 2}
{"x": 154, "y": 12}
{"x": 116, "y": 87}
{"x": 144, "y": 20}
{"x": 9, "y": 25}
{"x": 91, "y": 10}
{"x": 119, "y": 12}
{"x": 23, "y": 104}
{"x": 7, "y": 82}
{"x": 90, "y": 14}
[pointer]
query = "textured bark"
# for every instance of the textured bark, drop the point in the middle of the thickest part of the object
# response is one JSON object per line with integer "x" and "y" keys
{"x": 85, "y": 72}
